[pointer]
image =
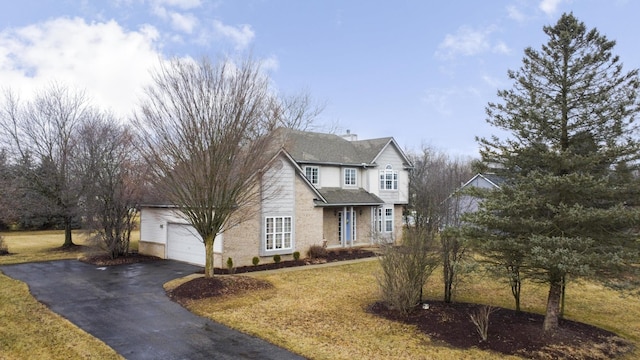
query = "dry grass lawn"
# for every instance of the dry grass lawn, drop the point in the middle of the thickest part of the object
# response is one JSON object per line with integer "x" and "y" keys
{"x": 29, "y": 330}
{"x": 320, "y": 313}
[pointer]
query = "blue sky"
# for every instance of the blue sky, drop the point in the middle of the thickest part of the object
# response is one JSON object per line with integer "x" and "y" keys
{"x": 421, "y": 71}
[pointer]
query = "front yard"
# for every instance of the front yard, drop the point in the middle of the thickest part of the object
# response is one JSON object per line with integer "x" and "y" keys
{"x": 317, "y": 312}
{"x": 321, "y": 313}
{"x": 29, "y": 329}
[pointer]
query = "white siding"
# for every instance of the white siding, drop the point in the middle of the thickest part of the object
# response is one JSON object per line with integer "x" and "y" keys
{"x": 330, "y": 176}
{"x": 391, "y": 156}
{"x": 279, "y": 201}
{"x": 153, "y": 224}
{"x": 278, "y": 189}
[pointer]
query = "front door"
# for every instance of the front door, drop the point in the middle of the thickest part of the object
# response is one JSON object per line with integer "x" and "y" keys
{"x": 347, "y": 227}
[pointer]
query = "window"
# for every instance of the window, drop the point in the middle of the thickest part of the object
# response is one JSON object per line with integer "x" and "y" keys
{"x": 384, "y": 224}
{"x": 388, "y": 220}
{"x": 278, "y": 233}
{"x": 350, "y": 177}
{"x": 312, "y": 173}
{"x": 388, "y": 178}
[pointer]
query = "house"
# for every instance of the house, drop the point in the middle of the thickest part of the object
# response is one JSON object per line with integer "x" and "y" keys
{"x": 333, "y": 191}
{"x": 469, "y": 203}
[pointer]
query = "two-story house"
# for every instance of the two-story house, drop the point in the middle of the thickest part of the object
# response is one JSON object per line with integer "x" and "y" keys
{"x": 319, "y": 189}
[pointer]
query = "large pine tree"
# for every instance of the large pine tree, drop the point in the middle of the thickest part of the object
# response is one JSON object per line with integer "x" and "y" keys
{"x": 565, "y": 208}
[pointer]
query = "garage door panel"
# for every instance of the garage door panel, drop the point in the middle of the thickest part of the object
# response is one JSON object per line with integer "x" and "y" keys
{"x": 185, "y": 244}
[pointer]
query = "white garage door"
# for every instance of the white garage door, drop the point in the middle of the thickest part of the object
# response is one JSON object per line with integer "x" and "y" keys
{"x": 184, "y": 244}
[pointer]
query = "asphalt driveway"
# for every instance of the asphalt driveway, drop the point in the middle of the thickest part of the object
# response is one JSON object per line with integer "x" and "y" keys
{"x": 126, "y": 307}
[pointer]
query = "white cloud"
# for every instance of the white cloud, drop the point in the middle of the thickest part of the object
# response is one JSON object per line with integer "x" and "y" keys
{"x": 501, "y": 48}
{"x": 549, "y": 7}
{"x": 110, "y": 63}
{"x": 270, "y": 64}
{"x": 184, "y": 22}
{"x": 468, "y": 41}
{"x": 515, "y": 14}
{"x": 241, "y": 36}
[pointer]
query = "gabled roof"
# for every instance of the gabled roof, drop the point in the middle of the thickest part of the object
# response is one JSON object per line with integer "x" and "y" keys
{"x": 493, "y": 179}
{"x": 319, "y": 148}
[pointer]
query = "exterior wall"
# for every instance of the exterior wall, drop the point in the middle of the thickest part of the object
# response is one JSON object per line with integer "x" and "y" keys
{"x": 308, "y": 219}
{"x": 242, "y": 242}
{"x": 330, "y": 176}
{"x": 397, "y": 223}
{"x": 363, "y": 226}
{"x": 330, "y": 226}
{"x": 390, "y": 156}
{"x": 153, "y": 230}
{"x": 294, "y": 198}
{"x": 279, "y": 198}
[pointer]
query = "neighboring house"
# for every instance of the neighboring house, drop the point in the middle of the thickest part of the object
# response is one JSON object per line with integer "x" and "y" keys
{"x": 329, "y": 190}
{"x": 467, "y": 203}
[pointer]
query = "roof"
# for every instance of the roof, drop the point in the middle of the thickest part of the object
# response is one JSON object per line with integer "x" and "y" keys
{"x": 491, "y": 178}
{"x": 348, "y": 197}
{"x": 313, "y": 147}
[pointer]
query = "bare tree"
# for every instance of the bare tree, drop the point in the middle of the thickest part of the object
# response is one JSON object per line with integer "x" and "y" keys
{"x": 406, "y": 268}
{"x": 298, "y": 111}
{"x": 113, "y": 187}
{"x": 44, "y": 129}
{"x": 437, "y": 207}
{"x": 205, "y": 131}
{"x": 433, "y": 183}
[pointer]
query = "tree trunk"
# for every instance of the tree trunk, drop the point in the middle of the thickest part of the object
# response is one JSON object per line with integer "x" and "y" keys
{"x": 564, "y": 287}
{"x": 553, "y": 306}
{"x": 68, "y": 242}
{"x": 208, "y": 248}
{"x": 516, "y": 285}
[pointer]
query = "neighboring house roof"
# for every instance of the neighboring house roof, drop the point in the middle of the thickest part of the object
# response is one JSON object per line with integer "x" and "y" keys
{"x": 492, "y": 179}
{"x": 339, "y": 196}
{"x": 310, "y": 147}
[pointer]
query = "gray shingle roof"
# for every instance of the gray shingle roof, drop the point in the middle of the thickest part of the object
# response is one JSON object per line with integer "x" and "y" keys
{"x": 312, "y": 147}
{"x": 339, "y": 196}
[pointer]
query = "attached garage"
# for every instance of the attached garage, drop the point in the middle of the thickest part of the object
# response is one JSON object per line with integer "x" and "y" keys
{"x": 166, "y": 235}
{"x": 184, "y": 244}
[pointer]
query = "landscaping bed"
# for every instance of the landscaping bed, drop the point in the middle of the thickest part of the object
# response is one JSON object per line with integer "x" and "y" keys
{"x": 331, "y": 256}
{"x": 510, "y": 332}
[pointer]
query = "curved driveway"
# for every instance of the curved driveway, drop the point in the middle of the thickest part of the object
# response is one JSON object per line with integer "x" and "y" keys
{"x": 126, "y": 307}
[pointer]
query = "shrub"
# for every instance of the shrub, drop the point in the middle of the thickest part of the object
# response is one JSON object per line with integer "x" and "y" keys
{"x": 276, "y": 259}
{"x": 480, "y": 319}
{"x": 317, "y": 252}
{"x": 296, "y": 255}
{"x": 230, "y": 265}
{"x": 406, "y": 268}
{"x": 4, "y": 249}
{"x": 255, "y": 261}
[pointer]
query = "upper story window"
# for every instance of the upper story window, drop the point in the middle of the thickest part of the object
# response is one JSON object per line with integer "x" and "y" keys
{"x": 313, "y": 174}
{"x": 388, "y": 178}
{"x": 350, "y": 177}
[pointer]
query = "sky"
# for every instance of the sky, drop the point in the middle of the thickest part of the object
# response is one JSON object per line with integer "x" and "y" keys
{"x": 420, "y": 71}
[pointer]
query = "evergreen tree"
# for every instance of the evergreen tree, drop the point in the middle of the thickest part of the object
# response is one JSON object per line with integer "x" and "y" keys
{"x": 564, "y": 207}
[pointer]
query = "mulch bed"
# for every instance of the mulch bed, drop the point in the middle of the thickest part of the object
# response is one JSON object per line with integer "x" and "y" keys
{"x": 201, "y": 288}
{"x": 332, "y": 256}
{"x": 510, "y": 332}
